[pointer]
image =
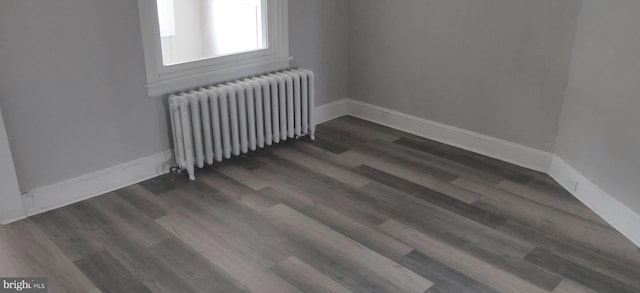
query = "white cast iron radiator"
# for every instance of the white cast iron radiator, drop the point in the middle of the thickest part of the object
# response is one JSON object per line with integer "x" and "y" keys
{"x": 215, "y": 123}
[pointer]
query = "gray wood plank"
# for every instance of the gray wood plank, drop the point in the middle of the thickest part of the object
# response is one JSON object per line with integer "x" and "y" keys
{"x": 289, "y": 196}
{"x": 343, "y": 161}
{"x": 449, "y": 166}
{"x": 222, "y": 226}
{"x": 459, "y": 260}
{"x": 159, "y": 184}
{"x": 432, "y": 196}
{"x": 577, "y": 273}
{"x": 568, "y": 204}
{"x": 567, "y": 286}
{"x": 243, "y": 175}
{"x": 622, "y": 269}
{"x": 307, "y": 278}
{"x": 450, "y": 152}
{"x": 554, "y": 221}
{"x": 338, "y": 173}
{"x": 296, "y": 217}
{"x": 468, "y": 160}
{"x": 417, "y": 176}
{"x": 456, "y": 230}
{"x": 249, "y": 162}
{"x": 360, "y": 129}
{"x": 348, "y": 274}
{"x": 109, "y": 275}
{"x": 445, "y": 278}
{"x": 253, "y": 274}
{"x": 151, "y": 270}
{"x": 381, "y": 149}
{"x": 364, "y": 124}
{"x": 238, "y": 221}
{"x": 328, "y": 144}
{"x": 103, "y": 230}
{"x": 130, "y": 221}
{"x": 25, "y": 251}
{"x": 322, "y": 189}
{"x": 517, "y": 266}
{"x": 73, "y": 235}
{"x": 227, "y": 187}
{"x": 140, "y": 202}
{"x": 549, "y": 186}
{"x": 378, "y": 154}
{"x": 369, "y": 237}
{"x": 348, "y": 249}
{"x": 194, "y": 268}
{"x": 120, "y": 233}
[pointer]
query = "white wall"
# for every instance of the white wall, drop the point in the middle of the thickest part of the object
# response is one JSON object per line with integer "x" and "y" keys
{"x": 491, "y": 66}
{"x": 600, "y": 122}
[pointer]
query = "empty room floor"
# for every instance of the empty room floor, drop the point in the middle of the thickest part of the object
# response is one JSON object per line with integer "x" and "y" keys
{"x": 364, "y": 208}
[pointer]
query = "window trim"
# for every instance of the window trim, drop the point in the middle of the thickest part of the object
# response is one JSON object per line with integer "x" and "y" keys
{"x": 163, "y": 79}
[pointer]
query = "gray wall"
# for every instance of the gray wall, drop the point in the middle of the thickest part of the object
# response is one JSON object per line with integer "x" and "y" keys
{"x": 72, "y": 76}
{"x": 600, "y": 124}
{"x": 11, "y": 207}
{"x": 71, "y": 88}
{"x": 491, "y": 66}
{"x": 318, "y": 41}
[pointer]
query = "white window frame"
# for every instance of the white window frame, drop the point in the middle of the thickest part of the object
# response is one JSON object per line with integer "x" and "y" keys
{"x": 163, "y": 79}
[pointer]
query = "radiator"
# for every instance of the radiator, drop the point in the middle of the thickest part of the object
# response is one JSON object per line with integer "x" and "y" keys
{"x": 219, "y": 122}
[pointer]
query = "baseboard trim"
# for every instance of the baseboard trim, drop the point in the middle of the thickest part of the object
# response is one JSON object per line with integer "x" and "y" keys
{"x": 87, "y": 186}
{"x": 479, "y": 143}
{"x": 606, "y": 206}
{"x": 11, "y": 220}
{"x": 64, "y": 193}
{"x": 615, "y": 213}
{"x": 611, "y": 210}
{"x": 331, "y": 111}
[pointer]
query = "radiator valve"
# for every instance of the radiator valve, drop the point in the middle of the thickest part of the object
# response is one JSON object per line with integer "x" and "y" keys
{"x": 175, "y": 170}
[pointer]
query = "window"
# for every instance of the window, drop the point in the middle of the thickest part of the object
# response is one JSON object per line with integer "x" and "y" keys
{"x": 191, "y": 43}
{"x": 210, "y": 28}
{"x": 166, "y": 18}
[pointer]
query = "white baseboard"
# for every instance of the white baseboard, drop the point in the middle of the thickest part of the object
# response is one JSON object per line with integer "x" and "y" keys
{"x": 607, "y": 207}
{"x": 611, "y": 210}
{"x": 479, "y": 143}
{"x": 87, "y": 186}
{"x": 331, "y": 111}
{"x": 615, "y": 213}
{"x": 14, "y": 219}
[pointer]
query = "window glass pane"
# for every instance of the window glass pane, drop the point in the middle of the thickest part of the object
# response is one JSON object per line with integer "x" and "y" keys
{"x": 200, "y": 29}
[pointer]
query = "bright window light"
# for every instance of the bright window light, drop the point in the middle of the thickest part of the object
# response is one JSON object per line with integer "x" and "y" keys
{"x": 166, "y": 18}
{"x": 200, "y": 29}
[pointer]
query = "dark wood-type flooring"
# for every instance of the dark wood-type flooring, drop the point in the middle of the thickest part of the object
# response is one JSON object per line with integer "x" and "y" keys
{"x": 364, "y": 208}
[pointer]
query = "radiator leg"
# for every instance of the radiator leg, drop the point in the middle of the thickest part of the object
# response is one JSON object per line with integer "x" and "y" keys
{"x": 312, "y": 131}
{"x": 192, "y": 173}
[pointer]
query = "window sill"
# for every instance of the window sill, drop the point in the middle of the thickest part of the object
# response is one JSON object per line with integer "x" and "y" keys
{"x": 200, "y": 79}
